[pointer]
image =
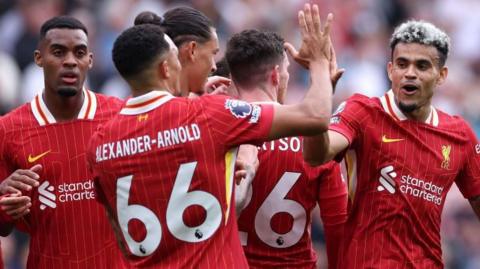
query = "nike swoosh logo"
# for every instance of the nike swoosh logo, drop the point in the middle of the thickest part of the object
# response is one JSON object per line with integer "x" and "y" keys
{"x": 32, "y": 159}
{"x": 390, "y": 140}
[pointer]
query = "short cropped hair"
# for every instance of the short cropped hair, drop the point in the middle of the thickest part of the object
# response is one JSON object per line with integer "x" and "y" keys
{"x": 251, "y": 53}
{"x": 137, "y": 48}
{"x": 181, "y": 24}
{"x": 62, "y": 22}
{"x": 424, "y": 33}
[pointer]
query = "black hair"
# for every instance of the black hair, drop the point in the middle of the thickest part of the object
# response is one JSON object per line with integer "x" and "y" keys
{"x": 138, "y": 47}
{"x": 222, "y": 68}
{"x": 251, "y": 53}
{"x": 181, "y": 24}
{"x": 61, "y": 22}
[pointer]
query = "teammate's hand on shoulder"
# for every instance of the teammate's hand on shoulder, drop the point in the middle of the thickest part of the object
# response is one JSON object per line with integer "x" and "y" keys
{"x": 15, "y": 205}
{"x": 21, "y": 180}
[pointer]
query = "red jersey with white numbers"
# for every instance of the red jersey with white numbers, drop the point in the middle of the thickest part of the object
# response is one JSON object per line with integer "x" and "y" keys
{"x": 68, "y": 228}
{"x": 400, "y": 172}
{"x": 275, "y": 225}
{"x": 164, "y": 169}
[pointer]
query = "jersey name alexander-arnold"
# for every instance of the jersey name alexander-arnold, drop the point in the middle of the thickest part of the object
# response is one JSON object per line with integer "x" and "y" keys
{"x": 144, "y": 143}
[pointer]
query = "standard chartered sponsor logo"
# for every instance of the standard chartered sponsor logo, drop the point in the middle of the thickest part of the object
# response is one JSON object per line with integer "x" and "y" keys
{"x": 422, "y": 189}
{"x": 410, "y": 185}
{"x": 46, "y": 195}
{"x": 387, "y": 179}
{"x": 65, "y": 192}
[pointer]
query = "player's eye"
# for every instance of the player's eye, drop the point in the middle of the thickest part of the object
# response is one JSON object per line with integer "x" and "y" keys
{"x": 81, "y": 53}
{"x": 402, "y": 64}
{"x": 57, "y": 52}
{"x": 423, "y": 65}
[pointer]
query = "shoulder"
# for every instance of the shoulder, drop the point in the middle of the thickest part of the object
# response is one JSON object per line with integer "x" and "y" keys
{"x": 453, "y": 122}
{"x": 21, "y": 117}
{"x": 363, "y": 100}
{"x": 111, "y": 101}
{"x": 455, "y": 125}
{"x": 107, "y": 106}
{"x": 357, "y": 106}
{"x": 359, "y": 100}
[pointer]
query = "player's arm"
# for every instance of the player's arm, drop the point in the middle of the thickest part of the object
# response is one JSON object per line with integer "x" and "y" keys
{"x": 475, "y": 203}
{"x": 312, "y": 115}
{"x": 332, "y": 201}
{"x": 245, "y": 169}
{"x": 12, "y": 207}
{"x": 323, "y": 148}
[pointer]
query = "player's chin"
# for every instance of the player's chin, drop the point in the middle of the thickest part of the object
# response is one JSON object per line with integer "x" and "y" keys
{"x": 407, "y": 106}
{"x": 68, "y": 91}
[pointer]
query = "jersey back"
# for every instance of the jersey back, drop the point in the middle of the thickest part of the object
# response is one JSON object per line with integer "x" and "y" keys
{"x": 164, "y": 169}
{"x": 275, "y": 225}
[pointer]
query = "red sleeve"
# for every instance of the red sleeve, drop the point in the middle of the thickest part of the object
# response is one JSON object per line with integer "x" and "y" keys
{"x": 5, "y": 166}
{"x": 332, "y": 200}
{"x": 348, "y": 119}
{"x": 236, "y": 122}
{"x": 92, "y": 165}
{"x": 468, "y": 180}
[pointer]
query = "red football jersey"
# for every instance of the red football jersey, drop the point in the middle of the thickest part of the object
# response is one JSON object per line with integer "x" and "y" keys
{"x": 164, "y": 169}
{"x": 275, "y": 225}
{"x": 400, "y": 172}
{"x": 68, "y": 228}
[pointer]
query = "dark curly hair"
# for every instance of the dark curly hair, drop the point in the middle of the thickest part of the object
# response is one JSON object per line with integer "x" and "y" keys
{"x": 251, "y": 53}
{"x": 138, "y": 47}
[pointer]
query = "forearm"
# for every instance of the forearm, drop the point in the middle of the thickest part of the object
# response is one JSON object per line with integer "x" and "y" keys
{"x": 315, "y": 149}
{"x": 246, "y": 168}
{"x": 318, "y": 100}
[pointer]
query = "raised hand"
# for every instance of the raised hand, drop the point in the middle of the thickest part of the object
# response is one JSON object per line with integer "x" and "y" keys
{"x": 316, "y": 45}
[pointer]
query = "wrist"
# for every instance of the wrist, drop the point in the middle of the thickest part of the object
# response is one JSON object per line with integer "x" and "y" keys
{"x": 322, "y": 63}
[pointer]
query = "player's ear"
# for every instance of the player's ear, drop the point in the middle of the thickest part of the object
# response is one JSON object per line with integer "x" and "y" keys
{"x": 189, "y": 50}
{"x": 389, "y": 70}
{"x": 37, "y": 57}
{"x": 163, "y": 69}
{"x": 90, "y": 60}
{"x": 443, "y": 75}
{"x": 275, "y": 75}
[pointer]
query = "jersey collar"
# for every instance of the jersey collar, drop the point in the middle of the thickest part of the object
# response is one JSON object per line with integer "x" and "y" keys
{"x": 44, "y": 116}
{"x": 147, "y": 102}
{"x": 389, "y": 105}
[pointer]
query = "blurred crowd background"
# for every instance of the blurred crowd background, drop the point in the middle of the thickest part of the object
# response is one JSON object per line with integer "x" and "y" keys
{"x": 361, "y": 32}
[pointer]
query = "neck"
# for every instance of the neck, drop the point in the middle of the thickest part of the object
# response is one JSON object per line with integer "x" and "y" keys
{"x": 141, "y": 89}
{"x": 63, "y": 108}
{"x": 184, "y": 89}
{"x": 420, "y": 114}
{"x": 257, "y": 94}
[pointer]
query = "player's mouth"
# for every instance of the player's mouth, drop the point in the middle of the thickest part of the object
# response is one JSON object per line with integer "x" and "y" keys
{"x": 409, "y": 89}
{"x": 69, "y": 77}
